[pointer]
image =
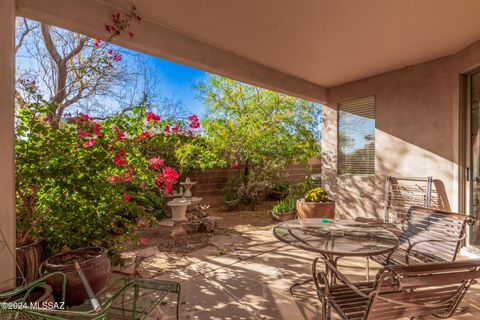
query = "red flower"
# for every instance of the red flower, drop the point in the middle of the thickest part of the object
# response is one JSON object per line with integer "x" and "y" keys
{"x": 167, "y": 128}
{"x": 110, "y": 51}
{"x": 144, "y": 134}
{"x": 176, "y": 128}
{"x": 89, "y": 143}
{"x": 120, "y": 159}
{"x": 151, "y": 117}
{"x": 144, "y": 241}
{"x": 120, "y": 134}
{"x": 117, "y": 57}
{"x": 83, "y": 134}
{"x": 170, "y": 174}
{"x": 193, "y": 117}
{"x": 127, "y": 197}
{"x": 97, "y": 129}
{"x": 156, "y": 162}
{"x": 98, "y": 42}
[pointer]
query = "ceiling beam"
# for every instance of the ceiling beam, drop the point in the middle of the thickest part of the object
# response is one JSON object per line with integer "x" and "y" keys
{"x": 89, "y": 17}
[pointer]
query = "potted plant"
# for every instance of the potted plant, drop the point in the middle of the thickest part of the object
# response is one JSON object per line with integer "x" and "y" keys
{"x": 284, "y": 209}
{"x": 316, "y": 204}
{"x": 95, "y": 265}
{"x": 231, "y": 201}
{"x": 279, "y": 191}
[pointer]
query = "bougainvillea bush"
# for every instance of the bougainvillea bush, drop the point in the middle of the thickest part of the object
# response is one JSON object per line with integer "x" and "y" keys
{"x": 86, "y": 182}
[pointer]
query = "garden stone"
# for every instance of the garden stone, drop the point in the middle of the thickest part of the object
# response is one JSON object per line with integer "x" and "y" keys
{"x": 129, "y": 260}
{"x": 147, "y": 252}
{"x": 159, "y": 263}
{"x": 208, "y": 223}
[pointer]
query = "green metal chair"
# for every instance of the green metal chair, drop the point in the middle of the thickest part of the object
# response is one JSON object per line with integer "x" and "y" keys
{"x": 125, "y": 298}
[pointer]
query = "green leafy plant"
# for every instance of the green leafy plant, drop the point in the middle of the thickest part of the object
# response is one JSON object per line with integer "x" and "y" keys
{"x": 316, "y": 195}
{"x": 85, "y": 182}
{"x": 230, "y": 197}
{"x": 285, "y": 206}
{"x": 281, "y": 187}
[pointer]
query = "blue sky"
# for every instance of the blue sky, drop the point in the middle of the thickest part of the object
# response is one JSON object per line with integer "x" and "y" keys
{"x": 177, "y": 82}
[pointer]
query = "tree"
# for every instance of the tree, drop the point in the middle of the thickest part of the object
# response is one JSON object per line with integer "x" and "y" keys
{"x": 258, "y": 128}
{"x": 76, "y": 73}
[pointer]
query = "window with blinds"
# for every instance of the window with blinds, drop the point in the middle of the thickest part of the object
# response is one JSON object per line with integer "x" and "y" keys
{"x": 356, "y": 137}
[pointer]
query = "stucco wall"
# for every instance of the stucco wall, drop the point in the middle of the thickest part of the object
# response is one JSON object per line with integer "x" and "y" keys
{"x": 417, "y": 132}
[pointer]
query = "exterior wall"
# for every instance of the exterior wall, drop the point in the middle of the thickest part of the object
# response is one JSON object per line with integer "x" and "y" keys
{"x": 417, "y": 132}
{"x": 7, "y": 140}
{"x": 211, "y": 182}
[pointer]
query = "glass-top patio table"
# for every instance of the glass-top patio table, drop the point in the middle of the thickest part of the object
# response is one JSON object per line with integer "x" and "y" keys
{"x": 334, "y": 239}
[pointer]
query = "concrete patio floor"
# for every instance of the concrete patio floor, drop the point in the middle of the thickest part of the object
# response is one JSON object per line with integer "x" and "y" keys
{"x": 253, "y": 281}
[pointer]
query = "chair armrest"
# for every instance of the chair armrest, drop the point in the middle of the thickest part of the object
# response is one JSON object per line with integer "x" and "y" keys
{"x": 412, "y": 245}
{"x": 32, "y": 285}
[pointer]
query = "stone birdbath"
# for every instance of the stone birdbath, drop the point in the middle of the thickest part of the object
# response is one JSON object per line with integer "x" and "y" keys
{"x": 179, "y": 209}
{"x": 187, "y": 184}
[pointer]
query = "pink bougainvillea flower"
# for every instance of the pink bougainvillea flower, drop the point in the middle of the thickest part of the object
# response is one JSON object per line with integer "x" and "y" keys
{"x": 170, "y": 174}
{"x": 110, "y": 51}
{"x": 120, "y": 134}
{"x": 144, "y": 241}
{"x": 89, "y": 143}
{"x": 83, "y": 133}
{"x": 97, "y": 129}
{"x": 120, "y": 159}
{"x": 175, "y": 128}
{"x": 117, "y": 57}
{"x": 194, "y": 123}
{"x": 151, "y": 117}
{"x": 167, "y": 128}
{"x": 127, "y": 197}
{"x": 144, "y": 135}
{"x": 98, "y": 42}
{"x": 156, "y": 162}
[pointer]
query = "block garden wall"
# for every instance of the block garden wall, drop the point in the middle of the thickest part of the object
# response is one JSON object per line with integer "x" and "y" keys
{"x": 212, "y": 181}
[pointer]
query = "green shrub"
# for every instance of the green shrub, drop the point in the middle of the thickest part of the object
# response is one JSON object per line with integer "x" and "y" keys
{"x": 285, "y": 206}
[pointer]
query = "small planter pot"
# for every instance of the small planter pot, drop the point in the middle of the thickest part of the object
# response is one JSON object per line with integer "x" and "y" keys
{"x": 276, "y": 195}
{"x": 29, "y": 258}
{"x": 284, "y": 216}
{"x": 307, "y": 209}
{"x": 232, "y": 205}
{"x": 95, "y": 265}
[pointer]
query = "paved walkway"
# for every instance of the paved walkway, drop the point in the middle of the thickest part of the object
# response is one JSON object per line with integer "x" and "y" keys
{"x": 252, "y": 282}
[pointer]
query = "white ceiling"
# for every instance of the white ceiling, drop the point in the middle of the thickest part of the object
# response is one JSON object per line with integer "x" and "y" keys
{"x": 327, "y": 42}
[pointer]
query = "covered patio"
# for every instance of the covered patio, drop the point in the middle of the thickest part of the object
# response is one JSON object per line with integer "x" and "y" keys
{"x": 415, "y": 59}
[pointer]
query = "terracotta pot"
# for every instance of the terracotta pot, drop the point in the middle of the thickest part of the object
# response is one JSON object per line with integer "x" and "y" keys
{"x": 232, "y": 205}
{"x": 29, "y": 258}
{"x": 95, "y": 265}
{"x": 284, "y": 216}
{"x": 307, "y": 209}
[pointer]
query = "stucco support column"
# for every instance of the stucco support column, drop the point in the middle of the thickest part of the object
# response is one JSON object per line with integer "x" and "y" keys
{"x": 329, "y": 150}
{"x": 7, "y": 142}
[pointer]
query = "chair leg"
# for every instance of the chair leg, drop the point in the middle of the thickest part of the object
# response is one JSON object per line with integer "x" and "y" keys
{"x": 178, "y": 303}
{"x": 368, "y": 269}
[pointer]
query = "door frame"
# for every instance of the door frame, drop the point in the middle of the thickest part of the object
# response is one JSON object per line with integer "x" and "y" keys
{"x": 465, "y": 171}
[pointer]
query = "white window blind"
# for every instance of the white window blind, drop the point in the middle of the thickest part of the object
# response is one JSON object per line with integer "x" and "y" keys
{"x": 356, "y": 137}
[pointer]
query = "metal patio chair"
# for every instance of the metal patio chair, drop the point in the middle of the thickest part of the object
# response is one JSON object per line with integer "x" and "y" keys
{"x": 398, "y": 292}
{"x": 428, "y": 236}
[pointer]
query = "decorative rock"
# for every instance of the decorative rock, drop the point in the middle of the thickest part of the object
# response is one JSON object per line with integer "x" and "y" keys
{"x": 208, "y": 223}
{"x": 147, "y": 252}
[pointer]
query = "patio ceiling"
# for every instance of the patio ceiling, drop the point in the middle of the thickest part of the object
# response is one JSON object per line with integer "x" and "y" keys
{"x": 300, "y": 48}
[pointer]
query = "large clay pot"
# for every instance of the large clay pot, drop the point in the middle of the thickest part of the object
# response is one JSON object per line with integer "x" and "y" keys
{"x": 94, "y": 264}
{"x": 284, "y": 216}
{"x": 29, "y": 258}
{"x": 306, "y": 209}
